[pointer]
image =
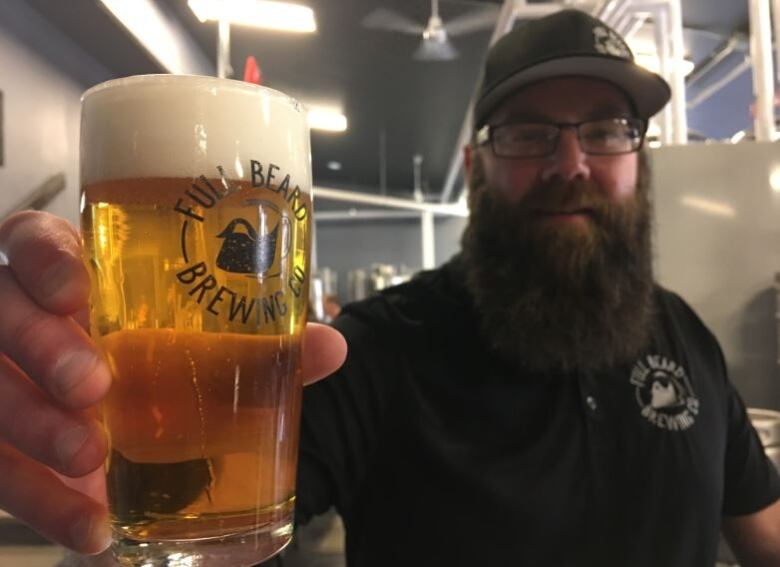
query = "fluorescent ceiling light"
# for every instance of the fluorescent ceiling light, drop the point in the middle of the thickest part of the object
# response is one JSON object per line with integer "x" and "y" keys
{"x": 144, "y": 20}
{"x": 738, "y": 137}
{"x": 774, "y": 179}
{"x": 329, "y": 120}
{"x": 708, "y": 206}
{"x": 257, "y": 13}
{"x": 651, "y": 62}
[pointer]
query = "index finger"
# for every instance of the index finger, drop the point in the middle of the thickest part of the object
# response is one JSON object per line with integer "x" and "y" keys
{"x": 44, "y": 254}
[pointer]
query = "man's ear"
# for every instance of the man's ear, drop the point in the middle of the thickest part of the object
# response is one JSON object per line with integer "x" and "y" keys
{"x": 468, "y": 157}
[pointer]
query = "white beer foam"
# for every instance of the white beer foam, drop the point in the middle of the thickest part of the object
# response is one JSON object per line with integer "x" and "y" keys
{"x": 186, "y": 126}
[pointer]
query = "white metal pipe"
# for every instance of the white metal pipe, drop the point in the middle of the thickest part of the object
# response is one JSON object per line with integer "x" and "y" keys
{"x": 639, "y": 20}
{"x": 679, "y": 116}
{"x": 506, "y": 18}
{"x": 605, "y": 10}
{"x": 356, "y": 215}
{"x": 624, "y": 24}
{"x": 714, "y": 60}
{"x": 776, "y": 19}
{"x": 713, "y": 88}
{"x": 614, "y": 19}
{"x": 661, "y": 31}
{"x": 224, "y": 70}
{"x": 391, "y": 202}
{"x": 763, "y": 73}
{"x": 428, "y": 241}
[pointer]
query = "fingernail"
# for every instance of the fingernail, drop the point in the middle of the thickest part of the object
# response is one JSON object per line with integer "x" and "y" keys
{"x": 71, "y": 369}
{"x": 90, "y": 534}
{"x": 69, "y": 444}
{"x": 57, "y": 278}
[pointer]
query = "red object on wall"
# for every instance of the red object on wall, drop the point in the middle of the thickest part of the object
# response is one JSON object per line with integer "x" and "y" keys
{"x": 252, "y": 73}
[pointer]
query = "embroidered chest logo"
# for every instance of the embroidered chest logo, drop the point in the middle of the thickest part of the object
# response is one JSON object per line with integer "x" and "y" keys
{"x": 664, "y": 393}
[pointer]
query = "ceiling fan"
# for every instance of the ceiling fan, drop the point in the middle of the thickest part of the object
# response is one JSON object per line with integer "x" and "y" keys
{"x": 435, "y": 45}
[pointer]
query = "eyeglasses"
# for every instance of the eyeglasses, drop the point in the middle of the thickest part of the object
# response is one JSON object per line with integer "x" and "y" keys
{"x": 608, "y": 137}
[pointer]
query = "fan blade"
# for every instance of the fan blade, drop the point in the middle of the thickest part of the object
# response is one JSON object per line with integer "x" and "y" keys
{"x": 435, "y": 51}
{"x": 470, "y": 22}
{"x": 382, "y": 19}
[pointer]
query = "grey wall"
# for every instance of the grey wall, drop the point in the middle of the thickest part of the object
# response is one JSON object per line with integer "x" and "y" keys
{"x": 348, "y": 245}
{"x": 42, "y": 76}
{"x": 718, "y": 245}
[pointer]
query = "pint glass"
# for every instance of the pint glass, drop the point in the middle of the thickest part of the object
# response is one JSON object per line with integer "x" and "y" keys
{"x": 195, "y": 214}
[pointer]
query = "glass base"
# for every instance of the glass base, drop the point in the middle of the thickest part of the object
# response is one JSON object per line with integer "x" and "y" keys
{"x": 236, "y": 550}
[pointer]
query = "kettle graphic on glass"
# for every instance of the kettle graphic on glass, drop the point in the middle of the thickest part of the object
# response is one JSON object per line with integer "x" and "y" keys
{"x": 245, "y": 251}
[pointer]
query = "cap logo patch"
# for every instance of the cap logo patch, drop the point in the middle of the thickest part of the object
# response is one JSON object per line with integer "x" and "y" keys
{"x": 608, "y": 42}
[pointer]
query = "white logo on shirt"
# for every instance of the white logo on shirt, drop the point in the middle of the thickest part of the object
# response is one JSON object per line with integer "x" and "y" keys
{"x": 664, "y": 393}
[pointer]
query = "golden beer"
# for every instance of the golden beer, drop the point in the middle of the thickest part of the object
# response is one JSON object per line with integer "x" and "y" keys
{"x": 199, "y": 301}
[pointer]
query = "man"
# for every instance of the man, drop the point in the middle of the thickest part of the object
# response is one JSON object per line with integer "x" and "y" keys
{"x": 536, "y": 401}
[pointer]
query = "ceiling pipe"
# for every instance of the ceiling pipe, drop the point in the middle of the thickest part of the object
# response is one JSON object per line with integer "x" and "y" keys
{"x": 629, "y": 24}
{"x": 679, "y": 110}
{"x": 710, "y": 90}
{"x": 639, "y": 20}
{"x": 506, "y": 18}
{"x": 605, "y": 10}
{"x": 392, "y": 202}
{"x": 618, "y": 13}
{"x": 357, "y": 215}
{"x": 714, "y": 59}
{"x": 776, "y": 19}
{"x": 224, "y": 69}
{"x": 661, "y": 32}
{"x": 510, "y": 11}
{"x": 670, "y": 36}
{"x": 428, "y": 232}
{"x": 763, "y": 71}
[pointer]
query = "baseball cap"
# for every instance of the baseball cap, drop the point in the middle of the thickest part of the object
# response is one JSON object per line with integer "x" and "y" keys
{"x": 566, "y": 43}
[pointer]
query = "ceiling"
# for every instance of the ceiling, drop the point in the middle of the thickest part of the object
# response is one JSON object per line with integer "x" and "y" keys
{"x": 391, "y": 101}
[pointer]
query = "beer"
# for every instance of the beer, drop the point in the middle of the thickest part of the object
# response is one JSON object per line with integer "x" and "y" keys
{"x": 199, "y": 266}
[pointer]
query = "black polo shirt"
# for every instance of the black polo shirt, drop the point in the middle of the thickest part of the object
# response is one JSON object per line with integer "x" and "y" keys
{"x": 435, "y": 453}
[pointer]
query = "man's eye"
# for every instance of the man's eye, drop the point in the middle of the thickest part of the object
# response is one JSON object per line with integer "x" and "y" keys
{"x": 605, "y": 134}
{"x": 523, "y": 136}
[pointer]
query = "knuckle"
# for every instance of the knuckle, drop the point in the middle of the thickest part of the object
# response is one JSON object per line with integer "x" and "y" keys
{"x": 26, "y": 428}
{"x": 16, "y": 220}
{"x": 11, "y": 466}
{"x": 32, "y": 330}
{"x": 36, "y": 228}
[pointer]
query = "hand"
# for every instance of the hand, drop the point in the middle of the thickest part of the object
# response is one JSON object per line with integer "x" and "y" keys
{"x": 51, "y": 376}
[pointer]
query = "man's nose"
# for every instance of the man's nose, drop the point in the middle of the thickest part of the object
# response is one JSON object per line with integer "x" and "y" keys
{"x": 568, "y": 162}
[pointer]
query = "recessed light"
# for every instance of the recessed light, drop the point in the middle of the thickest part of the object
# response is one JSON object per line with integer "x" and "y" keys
{"x": 267, "y": 14}
{"x": 329, "y": 120}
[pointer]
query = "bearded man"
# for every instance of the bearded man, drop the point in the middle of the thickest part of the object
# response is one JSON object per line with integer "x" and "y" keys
{"x": 539, "y": 400}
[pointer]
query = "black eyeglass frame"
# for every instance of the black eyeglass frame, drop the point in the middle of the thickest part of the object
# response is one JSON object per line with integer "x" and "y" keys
{"x": 485, "y": 135}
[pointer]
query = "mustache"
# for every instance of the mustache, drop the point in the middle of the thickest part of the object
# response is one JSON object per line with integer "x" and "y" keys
{"x": 579, "y": 195}
{"x": 566, "y": 196}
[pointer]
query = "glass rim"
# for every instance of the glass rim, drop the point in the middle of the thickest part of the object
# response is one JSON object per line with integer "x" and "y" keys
{"x": 206, "y": 81}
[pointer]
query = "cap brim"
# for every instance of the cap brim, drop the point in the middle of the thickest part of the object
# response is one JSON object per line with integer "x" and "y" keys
{"x": 647, "y": 91}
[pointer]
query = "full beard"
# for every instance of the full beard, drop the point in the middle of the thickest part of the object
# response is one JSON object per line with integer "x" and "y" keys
{"x": 560, "y": 298}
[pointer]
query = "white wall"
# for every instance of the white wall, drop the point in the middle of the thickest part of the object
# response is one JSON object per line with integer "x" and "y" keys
{"x": 718, "y": 245}
{"x": 40, "y": 106}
